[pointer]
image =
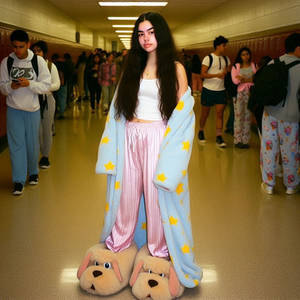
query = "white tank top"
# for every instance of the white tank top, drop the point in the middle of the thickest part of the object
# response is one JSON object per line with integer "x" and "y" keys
{"x": 148, "y": 101}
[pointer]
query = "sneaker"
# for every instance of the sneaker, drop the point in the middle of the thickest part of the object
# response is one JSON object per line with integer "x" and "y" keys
{"x": 220, "y": 142}
{"x": 33, "y": 179}
{"x": 201, "y": 137}
{"x": 292, "y": 190}
{"x": 267, "y": 188}
{"x": 44, "y": 163}
{"x": 18, "y": 189}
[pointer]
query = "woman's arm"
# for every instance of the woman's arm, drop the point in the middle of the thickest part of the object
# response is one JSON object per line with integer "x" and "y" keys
{"x": 182, "y": 80}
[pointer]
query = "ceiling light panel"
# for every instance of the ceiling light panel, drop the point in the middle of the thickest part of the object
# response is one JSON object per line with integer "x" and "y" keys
{"x": 123, "y": 26}
{"x": 101, "y": 3}
{"x": 122, "y": 18}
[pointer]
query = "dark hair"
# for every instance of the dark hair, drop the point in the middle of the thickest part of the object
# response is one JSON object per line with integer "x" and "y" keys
{"x": 19, "y": 35}
{"x": 96, "y": 55}
{"x": 55, "y": 56}
{"x": 292, "y": 42}
{"x": 67, "y": 56}
{"x": 42, "y": 45}
{"x": 219, "y": 41}
{"x": 264, "y": 61}
{"x": 239, "y": 55}
{"x": 135, "y": 64}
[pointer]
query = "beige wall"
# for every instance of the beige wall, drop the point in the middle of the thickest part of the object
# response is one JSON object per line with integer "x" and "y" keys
{"x": 239, "y": 18}
{"x": 43, "y": 17}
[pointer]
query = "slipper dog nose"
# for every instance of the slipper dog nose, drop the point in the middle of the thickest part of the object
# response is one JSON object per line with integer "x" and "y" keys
{"x": 152, "y": 283}
{"x": 97, "y": 273}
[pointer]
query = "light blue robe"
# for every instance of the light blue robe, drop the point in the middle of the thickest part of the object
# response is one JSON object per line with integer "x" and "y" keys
{"x": 170, "y": 178}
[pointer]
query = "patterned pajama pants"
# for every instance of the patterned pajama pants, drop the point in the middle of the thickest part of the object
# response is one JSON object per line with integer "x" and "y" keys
{"x": 280, "y": 136}
{"x": 242, "y": 118}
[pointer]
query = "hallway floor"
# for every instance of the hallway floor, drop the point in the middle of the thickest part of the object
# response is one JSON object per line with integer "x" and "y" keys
{"x": 247, "y": 242}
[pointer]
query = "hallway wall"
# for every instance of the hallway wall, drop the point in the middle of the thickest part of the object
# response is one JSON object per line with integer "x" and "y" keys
{"x": 237, "y": 19}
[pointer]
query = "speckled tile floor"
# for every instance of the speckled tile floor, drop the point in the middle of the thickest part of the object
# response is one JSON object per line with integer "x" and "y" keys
{"x": 247, "y": 242}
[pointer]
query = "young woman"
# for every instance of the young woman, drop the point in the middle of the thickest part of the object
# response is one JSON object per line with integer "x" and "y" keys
{"x": 242, "y": 75}
{"x": 196, "y": 74}
{"x": 145, "y": 150}
{"x": 47, "y": 106}
{"x": 93, "y": 84}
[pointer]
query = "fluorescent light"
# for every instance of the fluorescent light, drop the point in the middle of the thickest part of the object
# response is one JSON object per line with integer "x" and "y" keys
{"x": 124, "y": 31}
{"x": 123, "y": 18}
{"x": 124, "y": 35}
{"x": 101, "y": 3}
{"x": 123, "y": 26}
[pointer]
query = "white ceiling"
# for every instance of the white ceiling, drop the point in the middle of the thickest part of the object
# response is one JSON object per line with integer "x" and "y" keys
{"x": 91, "y": 15}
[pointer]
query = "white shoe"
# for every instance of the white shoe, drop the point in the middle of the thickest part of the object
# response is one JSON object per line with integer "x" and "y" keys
{"x": 267, "y": 188}
{"x": 292, "y": 190}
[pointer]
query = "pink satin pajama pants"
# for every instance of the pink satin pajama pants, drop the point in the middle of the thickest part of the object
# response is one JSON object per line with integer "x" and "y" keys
{"x": 142, "y": 144}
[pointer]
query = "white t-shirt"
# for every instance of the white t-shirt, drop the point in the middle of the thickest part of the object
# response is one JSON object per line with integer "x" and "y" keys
{"x": 218, "y": 66}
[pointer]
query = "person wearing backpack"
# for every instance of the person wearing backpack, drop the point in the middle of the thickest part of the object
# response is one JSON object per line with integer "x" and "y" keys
{"x": 47, "y": 103}
{"x": 214, "y": 69}
{"x": 280, "y": 124}
{"x": 23, "y": 76}
{"x": 242, "y": 75}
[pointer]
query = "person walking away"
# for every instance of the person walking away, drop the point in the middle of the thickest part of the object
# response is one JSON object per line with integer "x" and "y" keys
{"x": 107, "y": 79}
{"x": 47, "y": 106}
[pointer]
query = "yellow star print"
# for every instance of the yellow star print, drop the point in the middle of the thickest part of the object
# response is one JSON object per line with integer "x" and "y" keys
{"x": 105, "y": 140}
{"x": 117, "y": 185}
{"x": 196, "y": 282}
{"x": 186, "y": 145}
{"x": 161, "y": 177}
{"x": 186, "y": 276}
{"x": 167, "y": 131}
{"x": 109, "y": 166}
{"x": 180, "y": 105}
{"x": 183, "y": 173}
{"x": 144, "y": 226}
{"x": 185, "y": 249}
{"x": 106, "y": 207}
{"x": 173, "y": 221}
{"x": 179, "y": 189}
{"x": 171, "y": 257}
{"x": 107, "y": 118}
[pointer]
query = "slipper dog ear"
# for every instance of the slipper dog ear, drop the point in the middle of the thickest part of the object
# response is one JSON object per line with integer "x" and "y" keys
{"x": 84, "y": 265}
{"x": 174, "y": 284}
{"x": 116, "y": 268}
{"x": 135, "y": 273}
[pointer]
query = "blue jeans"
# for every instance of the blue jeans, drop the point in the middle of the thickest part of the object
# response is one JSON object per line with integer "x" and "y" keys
{"x": 61, "y": 99}
{"x": 23, "y": 142}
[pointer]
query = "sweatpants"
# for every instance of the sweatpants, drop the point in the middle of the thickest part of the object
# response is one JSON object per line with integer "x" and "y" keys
{"x": 23, "y": 142}
{"x": 142, "y": 144}
{"x": 108, "y": 93}
{"x": 278, "y": 135}
{"x": 242, "y": 118}
{"x": 46, "y": 126}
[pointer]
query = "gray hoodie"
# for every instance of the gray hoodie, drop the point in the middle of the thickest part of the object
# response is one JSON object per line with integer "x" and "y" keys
{"x": 290, "y": 111}
{"x": 25, "y": 98}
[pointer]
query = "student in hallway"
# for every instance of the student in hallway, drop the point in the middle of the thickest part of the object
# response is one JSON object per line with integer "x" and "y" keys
{"x": 214, "y": 68}
{"x": 280, "y": 127}
{"x": 242, "y": 75}
{"x": 47, "y": 104}
{"x": 23, "y": 108}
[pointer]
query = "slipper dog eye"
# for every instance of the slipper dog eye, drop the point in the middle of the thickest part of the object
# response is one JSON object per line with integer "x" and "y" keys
{"x": 162, "y": 275}
{"x": 149, "y": 271}
{"x": 96, "y": 263}
{"x": 107, "y": 265}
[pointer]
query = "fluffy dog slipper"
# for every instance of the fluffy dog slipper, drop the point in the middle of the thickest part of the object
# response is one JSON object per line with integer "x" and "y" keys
{"x": 154, "y": 278}
{"x": 103, "y": 272}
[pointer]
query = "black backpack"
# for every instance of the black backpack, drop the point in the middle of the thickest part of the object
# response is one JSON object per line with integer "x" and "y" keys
{"x": 230, "y": 87}
{"x": 34, "y": 62}
{"x": 270, "y": 83}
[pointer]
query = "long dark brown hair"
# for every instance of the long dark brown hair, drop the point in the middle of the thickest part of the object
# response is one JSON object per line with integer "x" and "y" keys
{"x": 126, "y": 100}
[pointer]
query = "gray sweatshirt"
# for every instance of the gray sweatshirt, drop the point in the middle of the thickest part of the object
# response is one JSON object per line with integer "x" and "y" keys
{"x": 290, "y": 111}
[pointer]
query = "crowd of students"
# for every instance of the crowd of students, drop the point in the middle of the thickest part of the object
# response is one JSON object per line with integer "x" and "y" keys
{"x": 36, "y": 88}
{"x": 249, "y": 86}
